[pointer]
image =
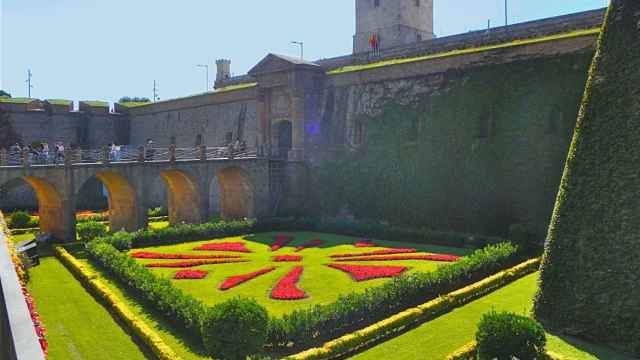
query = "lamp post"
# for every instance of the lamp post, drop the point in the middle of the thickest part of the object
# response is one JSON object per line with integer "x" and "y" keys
{"x": 301, "y": 44}
{"x": 206, "y": 68}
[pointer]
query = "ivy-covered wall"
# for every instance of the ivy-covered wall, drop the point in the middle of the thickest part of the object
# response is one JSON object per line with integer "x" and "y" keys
{"x": 590, "y": 283}
{"x": 470, "y": 150}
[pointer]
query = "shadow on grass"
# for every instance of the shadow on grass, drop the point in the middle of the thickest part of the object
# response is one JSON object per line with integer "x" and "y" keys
{"x": 597, "y": 351}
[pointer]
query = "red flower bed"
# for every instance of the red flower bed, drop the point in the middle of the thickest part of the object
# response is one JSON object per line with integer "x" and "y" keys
{"x": 281, "y": 241}
{"x": 152, "y": 255}
{"x": 234, "y": 281}
{"x": 227, "y": 246}
{"x": 362, "y": 273}
{"x": 312, "y": 243}
{"x": 434, "y": 257}
{"x": 191, "y": 275}
{"x": 286, "y": 288}
{"x": 377, "y": 252}
{"x": 37, "y": 323}
{"x": 189, "y": 264}
{"x": 287, "y": 258}
{"x": 364, "y": 244}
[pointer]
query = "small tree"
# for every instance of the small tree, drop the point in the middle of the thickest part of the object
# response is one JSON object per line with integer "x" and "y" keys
{"x": 127, "y": 99}
{"x": 4, "y": 94}
{"x": 235, "y": 329}
{"x": 20, "y": 220}
{"x": 505, "y": 335}
{"x": 90, "y": 230}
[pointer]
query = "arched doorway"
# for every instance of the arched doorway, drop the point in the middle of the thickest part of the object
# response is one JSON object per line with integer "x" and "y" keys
{"x": 236, "y": 194}
{"x": 282, "y": 138}
{"x": 123, "y": 214}
{"x": 183, "y": 197}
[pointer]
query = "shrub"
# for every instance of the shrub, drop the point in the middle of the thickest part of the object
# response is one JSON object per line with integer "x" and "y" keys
{"x": 121, "y": 240}
{"x": 20, "y": 220}
{"x": 90, "y": 230}
{"x": 235, "y": 329}
{"x": 158, "y": 212}
{"x": 506, "y": 335}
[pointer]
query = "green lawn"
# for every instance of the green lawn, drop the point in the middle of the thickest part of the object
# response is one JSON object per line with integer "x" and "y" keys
{"x": 438, "y": 338}
{"x": 77, "y": 326}
{"x": 323, "y": 284}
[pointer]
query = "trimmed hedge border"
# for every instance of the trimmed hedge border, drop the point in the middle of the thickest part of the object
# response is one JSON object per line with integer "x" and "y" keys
{"x": 352, "y": 342}
{"x": 91, "y": 280}
{"x": 364, "y": 229}
{"x": 470, "y": 352}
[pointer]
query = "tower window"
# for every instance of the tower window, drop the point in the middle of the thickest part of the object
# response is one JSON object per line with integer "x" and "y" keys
{"x": 376, "y": 3}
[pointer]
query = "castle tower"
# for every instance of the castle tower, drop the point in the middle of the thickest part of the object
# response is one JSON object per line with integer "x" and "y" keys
{"x": 223, "y": 70}
{"x": 393, "y": 22}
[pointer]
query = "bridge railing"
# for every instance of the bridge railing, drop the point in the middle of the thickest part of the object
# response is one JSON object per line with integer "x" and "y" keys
{"x": 125, "y": 154}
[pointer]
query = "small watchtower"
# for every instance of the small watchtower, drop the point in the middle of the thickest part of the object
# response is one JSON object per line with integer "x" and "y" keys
{"x": 392, "y": 23}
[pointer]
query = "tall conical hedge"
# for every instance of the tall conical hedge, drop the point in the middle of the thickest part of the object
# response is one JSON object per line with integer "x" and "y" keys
{"x": 590, "y": 281}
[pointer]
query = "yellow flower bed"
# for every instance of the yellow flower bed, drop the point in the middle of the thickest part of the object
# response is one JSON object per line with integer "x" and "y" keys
{"x": 92, "y": 281}
{"x": 420, "y": 313}
{"x": 470, "y": 350}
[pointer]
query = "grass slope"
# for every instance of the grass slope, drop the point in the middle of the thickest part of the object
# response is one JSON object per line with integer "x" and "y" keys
{"x": 323, "y": 284}
{"x": 438, "y": 338}
{"x": 77, "y": 326}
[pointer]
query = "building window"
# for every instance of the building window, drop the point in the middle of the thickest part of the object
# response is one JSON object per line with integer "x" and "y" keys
{"x": 376, "y": 3}
{"x": 419, "y": 37}
{"x": 228, "y": 138}
{"x": 172, "y": 140}
{"x": 418, "y": 3}
{"x": 199, "y": 140}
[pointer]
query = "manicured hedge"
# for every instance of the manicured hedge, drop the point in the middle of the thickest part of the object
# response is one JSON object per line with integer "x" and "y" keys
{"x": 354, "y": 311}
{"x": 323, "y": 322}
{"x": 176, "y": 305}
{"x": 88, "y": 278}
{"x": 186, "y": 232}
{"x": 591, "y": 271}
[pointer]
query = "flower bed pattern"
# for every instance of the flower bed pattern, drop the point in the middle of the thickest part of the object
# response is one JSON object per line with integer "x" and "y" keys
{"x": 377, "y": 252}
{"x": 226, "y": 246}
{"x": 364, "y": 244}
{"x": 281, "y": 241}
{"x": 234, "y": 281}
{"x": 310, "y": 244}
{"x": 190, "y": 275}
{"x": 286, "y": 288}
{"x": 363, "y": 273}
{"x": 435, "y": 257}
{"x": 152, "y": 255}
{"x": 287, "y": 258}
{"x": 189, "y": 264}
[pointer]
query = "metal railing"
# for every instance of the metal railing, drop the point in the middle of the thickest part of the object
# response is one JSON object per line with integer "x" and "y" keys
{"x": 125, "y": 155}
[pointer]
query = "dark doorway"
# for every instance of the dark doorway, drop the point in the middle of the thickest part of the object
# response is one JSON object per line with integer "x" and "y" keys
{"x": 285, "y": 138}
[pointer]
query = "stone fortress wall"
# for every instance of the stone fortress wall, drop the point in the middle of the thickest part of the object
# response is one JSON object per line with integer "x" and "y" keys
{"x": 330, "y": 104}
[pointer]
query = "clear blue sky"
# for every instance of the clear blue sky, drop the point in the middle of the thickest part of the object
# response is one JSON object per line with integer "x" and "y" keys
{"x": 105, "y": 49}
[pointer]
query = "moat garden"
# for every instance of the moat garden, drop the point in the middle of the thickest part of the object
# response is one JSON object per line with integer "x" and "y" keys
{"x": 278, "y": 288}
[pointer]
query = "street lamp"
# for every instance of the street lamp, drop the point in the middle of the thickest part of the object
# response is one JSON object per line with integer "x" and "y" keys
{"x": 301, "y": 44}
{"x": 207, "y": 68}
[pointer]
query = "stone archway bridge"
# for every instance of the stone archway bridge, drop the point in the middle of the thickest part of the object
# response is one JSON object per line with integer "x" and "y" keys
{"x": 243, "y": 179}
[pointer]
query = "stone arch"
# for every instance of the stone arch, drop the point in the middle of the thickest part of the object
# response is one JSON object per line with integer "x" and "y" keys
{"x": 50, "y": 207}
{"x": 237, "y": 194}
{"x": 123, "y": 212}
{"x": 183, "y": 197}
